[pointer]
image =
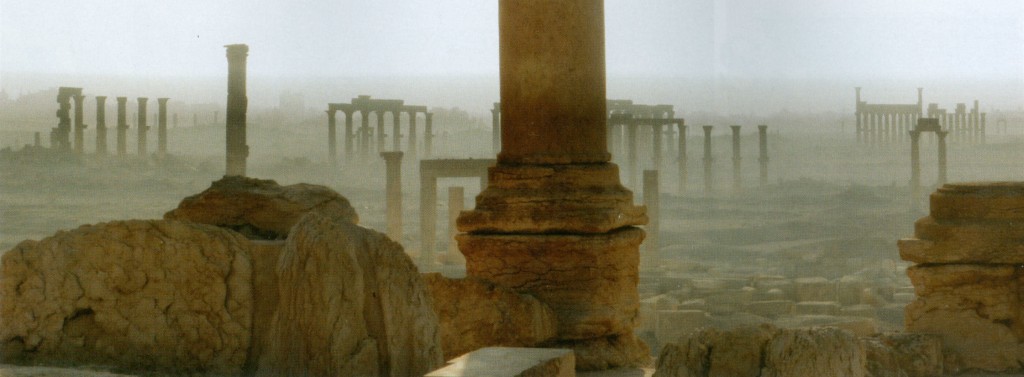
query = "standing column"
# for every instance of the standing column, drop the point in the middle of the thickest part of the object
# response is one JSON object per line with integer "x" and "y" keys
{"x": 707, "y": 160}
{"x": 554, "y": 208}
{"x": 348, "y": 136}
{"x": 942, "y": 156}
{"x": 428, "y": 136}
{"x": 762, "y": 138}
{"x": 122, "y": 126}
{"x": 238, "y": 104}
{"x": 79, "y": 124}
{"x": 142, "y": 128}
{"x": 915, "y": 170}
{"x": 456, "y": 202}
{"x": 413, "y": 153}
{"x": 60, "y": 137}
{"x": 737, "y": 179}
{"x": 380, "y": 131}
{"x": 396, "y": 139}
{"x": 101, "y": 125}
{"x": 631, "y": 151}
{"x": 496, "y": 128}
{"x": 652, "y": 202}
{"x": 332, "y": 136}
{"x": 656, "y": 141}
{"x": 393, "y": 192}
{"x": 683, "y": 172}
{"x": 161, "y": 130}
{"x": 364, "y": 137}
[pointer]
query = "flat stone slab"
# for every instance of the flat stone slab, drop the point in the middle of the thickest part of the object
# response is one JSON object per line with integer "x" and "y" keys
{"x": 511, "y": 362}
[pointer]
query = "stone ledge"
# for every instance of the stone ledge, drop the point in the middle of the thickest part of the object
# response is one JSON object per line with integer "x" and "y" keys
{"x": 511, "y": 362}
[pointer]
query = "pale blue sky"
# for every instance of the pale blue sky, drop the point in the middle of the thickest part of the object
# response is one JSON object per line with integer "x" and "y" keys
{"x": 702, "y": 38}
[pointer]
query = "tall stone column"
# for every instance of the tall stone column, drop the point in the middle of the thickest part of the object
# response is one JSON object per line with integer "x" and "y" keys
{"x": 413, "y": 153}
{"x": 332, "y": 136}
{"x": 496, "y": 128}
{"x": 708, "y": 160}
{"x": 122, "y": 126}
{"x": 683, "y": 171}
{"x": 393, "y": 192}
{"x": 364, "y": 137}
{"x": 142, "y": 128}
{"x": 737, "y": 178}
{"x": 161, "y": 130}
{"x": 428, "y": 135}
{"x": 942, "y": 156}
{"x": 396, "y": 139}
{"x": 348, "y": 136}
{"x": 238, "y": 105}
{"x": 380, "y": 131}
{"x": 652, "y": 202}
{"x": 554, "y": 208}
{"x": 762, "y": 139}
{"x": 79, "y": 124}
{"x": 915, "y": 170}
{"x": 101, "y": 125}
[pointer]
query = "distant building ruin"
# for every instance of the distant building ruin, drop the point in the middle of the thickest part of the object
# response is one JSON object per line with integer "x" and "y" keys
{"x": 359, "y": 139}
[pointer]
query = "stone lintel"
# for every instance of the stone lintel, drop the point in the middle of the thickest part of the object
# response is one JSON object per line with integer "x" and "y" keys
{"x": 511, "y": 362}
{"x": 588, "y": 280}
{"x": 544, "y": 199}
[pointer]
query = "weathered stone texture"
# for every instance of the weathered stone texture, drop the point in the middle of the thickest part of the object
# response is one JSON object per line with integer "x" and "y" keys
{"x": 507, "y": 361}
{"x": 151, "y": 295}
{"x": 475, "y": 314}
{"x": 814, "y": 352}
{"x": 903, "y": 355}
{"x": 261, "y": 209}
{"x": 352, "y": 303}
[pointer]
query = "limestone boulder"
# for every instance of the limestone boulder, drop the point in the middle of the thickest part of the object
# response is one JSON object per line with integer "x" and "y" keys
{"x": 903, "y": 355}
{"x": 475, "y": 314}
{"x": 814, "y": 352}
{"x": 351, "y": 303}
{"x": 714, "y": 352}
{"x": 138, "y": 295}
{"x": 261, "y": 209}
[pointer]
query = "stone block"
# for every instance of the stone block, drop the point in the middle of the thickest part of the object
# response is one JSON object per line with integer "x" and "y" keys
{"x": 511, "y": 362}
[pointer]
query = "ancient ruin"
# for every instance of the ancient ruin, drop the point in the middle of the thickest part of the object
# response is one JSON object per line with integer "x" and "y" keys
{"x": 965, "y": 127}
{"x": 122, "y": 126}
{"x": 925, "y": 125}
{"x": 142, "y": 127}
{"x": 885, "y": 123}
{"x": 60, "y": 136}
{"x": 364, "y": 105}
{"x": 393, "y": 193}
{"x": 708, "y": 161}
{"x": 101, "y": 125}
{"x": 553, "y": 154}
{"x": 161, "y": 134}
{"x": 238, "y": 103}
{"x": 430, "y": 172}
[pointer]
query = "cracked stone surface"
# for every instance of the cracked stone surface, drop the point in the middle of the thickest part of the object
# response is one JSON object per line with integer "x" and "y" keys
{"x": 261, "y": 209}
{"x": 160, "y": 295}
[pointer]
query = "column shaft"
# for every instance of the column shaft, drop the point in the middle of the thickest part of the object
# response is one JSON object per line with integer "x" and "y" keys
{"x": 238, "y": 104}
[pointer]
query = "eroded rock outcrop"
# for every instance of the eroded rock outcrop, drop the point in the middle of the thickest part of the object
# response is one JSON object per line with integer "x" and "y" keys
{"x": 261, "y": 209}
{"x": 968, "y": 278}
{"x": 154, "y": 295}
{"x": 475, "y": 314}
{"x": 351, "y": 303}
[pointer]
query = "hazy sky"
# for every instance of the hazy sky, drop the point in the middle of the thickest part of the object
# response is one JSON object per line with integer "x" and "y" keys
{"x": 682, "y": 38}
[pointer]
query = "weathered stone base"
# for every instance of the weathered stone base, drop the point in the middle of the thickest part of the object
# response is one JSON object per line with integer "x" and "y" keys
{"x": 615, "y": 351}
{"x": 588, "y": 280}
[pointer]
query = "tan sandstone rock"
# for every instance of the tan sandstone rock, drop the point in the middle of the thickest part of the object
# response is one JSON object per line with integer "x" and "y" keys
{"x": 475, "y": 314}
{"x": 141, "y": 295}
{"x": 814, "y": 352}
{"x": 713, "y": 352}
{"x": 904, "y": 355}
{"x": 261, "y": 209}
{"x": 352, "y": 303}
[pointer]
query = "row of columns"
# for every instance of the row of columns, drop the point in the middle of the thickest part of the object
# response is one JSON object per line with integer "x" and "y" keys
{"x": 877, "y": 128}
{"x": 60, "y": 136}
{"x": 624, "y": 123}
{"x": 737, "y": 177}
{"x": 360, "y": 138}
{"x": 963, "y": 126}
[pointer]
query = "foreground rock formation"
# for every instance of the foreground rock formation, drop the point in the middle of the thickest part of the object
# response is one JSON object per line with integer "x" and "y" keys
{"x": 766, "y": 350}
{"x": 176, "y": 297}
{"x": 970, "y": 259}
{"x": 162, "y": 295}
{"x": 475, "y": 314}
{"x": 261, "y": 209}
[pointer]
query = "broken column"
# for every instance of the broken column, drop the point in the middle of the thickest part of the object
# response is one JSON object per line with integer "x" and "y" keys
{"x": 554, "y": 208}
{"x": 651, "y": 201}
{"x": 122, "y": 126}
{"x": 238, "y": 103}
{"x": 683, "y": 172}
{"x": 969, "y": 257}
{"x": 393, "y": 192}
{"x": 737, "y": 179}
{"x": 60, "y": 137}
{"x": 142, "y": 126}
{"x": 79, "y": 123}
{"x": 708, "y": 160}
{"x": 101, "y": 125}
{"x": 762, "y": 138}
{"x": 161, "y": 129}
